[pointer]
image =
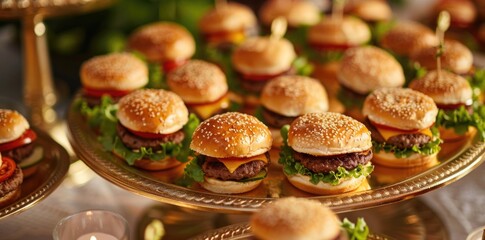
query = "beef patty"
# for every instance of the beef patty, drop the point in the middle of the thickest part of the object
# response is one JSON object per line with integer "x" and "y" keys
{"x": 274, "y": 119}
{"x": 19, "y": 153}
{"x": 12, "y": 183}
{"x": 402, "y": 141}
{"x": 215, "y": 169}
{"x": 325, "y": 164}
{"x": 133, "y": 141}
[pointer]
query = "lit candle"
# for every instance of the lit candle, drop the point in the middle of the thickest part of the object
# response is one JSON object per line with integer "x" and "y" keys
{"x": 97, "y": 236}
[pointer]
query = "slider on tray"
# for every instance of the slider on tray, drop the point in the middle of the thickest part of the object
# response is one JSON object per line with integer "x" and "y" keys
{"x": 406, "y": 38}
{"x": 296, "y": 12}
{"x": 231, "y": 153}
{"x": 11, "y": 179}
{"x": 326, "y": 153}
{"x": 369, "y": 10}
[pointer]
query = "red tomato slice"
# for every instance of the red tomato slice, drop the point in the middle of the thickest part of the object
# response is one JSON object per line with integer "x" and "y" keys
{"x": 251, "y": 77}
{"x": 171, "y": 65}
{"x": 100, "y": 92}
{"x": 7, "y": 169}
{"x": 147, "y": 135}
{"x": 330, "y": 47}
{"x": 27, "y": 137}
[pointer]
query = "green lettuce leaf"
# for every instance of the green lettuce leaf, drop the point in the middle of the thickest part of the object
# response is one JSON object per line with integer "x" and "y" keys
{"x": 357, "y": 231}
{"x": 193, "y": 169}
{"x": 102, "y": 116}
{"x": 302, "y": 66}
{"x": 429, "y": 148}
{"x": 292, "y": 167}
{"x": 156, "y": 78}
{"x": 460, "y": 119}
{"x": 477, "y": 82}
{"x": 412, "y": 70}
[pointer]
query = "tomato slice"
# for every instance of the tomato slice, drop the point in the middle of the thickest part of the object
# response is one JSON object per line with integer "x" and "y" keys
{"x": 100, "y": 92}
{"x": 7, "y": 169}
{"x": 27, "y": 137}
{"x": 263, "y": 77}
{"x": 330, "y": 47}
{"x": 171, "y": 65}
{"x": 147, "y": 134}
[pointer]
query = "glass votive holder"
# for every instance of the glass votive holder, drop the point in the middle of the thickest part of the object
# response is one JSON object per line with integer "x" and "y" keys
{"x": 92, "y": 225}
{"x": 477, "y": 234}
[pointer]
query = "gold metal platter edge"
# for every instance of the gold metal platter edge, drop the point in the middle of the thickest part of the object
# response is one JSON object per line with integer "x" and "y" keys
{"x": 81, "y": 138}
{"x": 57, "y": 161}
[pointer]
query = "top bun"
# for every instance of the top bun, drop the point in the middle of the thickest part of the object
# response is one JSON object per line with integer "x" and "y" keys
{"x": 400, "y": 108}
{"x": 293, "y": 218}
{"x": 364, "y": 69}
{"x": 226, "y": 18}
{"x": 231, "y": 134}
{"x": 449, "y": 89}
{"x": 12, "y": 125}
{"x": 293, "y": 96}
{"x": 407, "y": 38}
{"x": 456, "y": 57}
{"x": 296, "y": 12}
{"x": 347, "y": 31}
{"x": 152, "y": 111}
{"x": 323, "y": 134}
{"x": 163, "y": 41}
{"x": 462, "y": 13}
{"x": 370, "y": 10}
{"x": 115, "y": 71}
{"x": 263, "y": 56}
{"x": 198, "y": 81}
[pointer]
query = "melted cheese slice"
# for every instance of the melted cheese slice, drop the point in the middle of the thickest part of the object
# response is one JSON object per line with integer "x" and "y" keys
{"x": 233, "y": 163}
{"x": 207, "y": 110}
{"x": 387, "y": 133}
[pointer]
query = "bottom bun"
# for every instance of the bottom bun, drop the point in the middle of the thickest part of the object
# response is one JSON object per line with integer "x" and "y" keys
{"x": 10, "y": 197}
{"x": 389, "y": 160}
{"x": 152, "y": 165}
{"x": 228, "y": 187}
{"x": 449, "y": 134}
{"x": 303, "y": 183}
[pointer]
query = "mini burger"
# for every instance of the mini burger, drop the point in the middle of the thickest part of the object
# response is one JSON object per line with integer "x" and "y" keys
{"x": 260, "y": 59}
{"x": 202, "y": 86}
{"x": 11, "y": 179}
{"x": 296, "y": 219}
{"x": 150, "y": 133}
{"x": 407, "y": 38}
{"x": 338, "y": 34}
{"x": 166, "y": 43}
{"x": 296, "y": 12}
{"x": 17, "y": 141}
{"x": 463, "y": 13}
{"x": 369, "y": 10}
{"x": 456, "y": 57}
{"x": 231, "y": 153}
{"x": 364, "y": 69}
{"x": 400, "y": 121}
{"x": 453, "y": 96}
{"x": 114, "y": 75}
{"x": 287, "y": 97}
{"x": 228, "y": 23}
{"x": 326, "y": 153}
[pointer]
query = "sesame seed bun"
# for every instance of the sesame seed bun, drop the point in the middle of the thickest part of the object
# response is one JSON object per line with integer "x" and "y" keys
{"x": 348, "y": 31}
{"x": 323, "y": 134}
{"x": 12, "y": 125}
{"x": 364, "y": 69}
{"x": 263, "y": 56}
{"x": 456, "y": 57}
{"x": 370, "y": 10}
{"x": 231, "y": 134}
{"x": 400, "y": 108}
{"x": 228, "y": 187}
{"x": 296, "y": 12}
{"x": 449, "y": 89}
{"x": 152, "y": 111}
{"x": 115, "y": 71}
{"x": 406, "y": 38}
{"x": 293, "y": 96}
{"x": 226, "y": 18}
{"x": 295, "y": 219}
{"x": 303, "y": 183}
{"x": 449, "y": 134}
{"x": 390, "y": 160}
{"x": 198, "y": 82}
{"x": 162, "y": 41}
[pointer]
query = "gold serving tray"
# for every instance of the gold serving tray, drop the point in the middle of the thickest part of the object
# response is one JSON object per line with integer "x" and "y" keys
{"x": 386, "y": 185}
{"x": 50, "y": 173}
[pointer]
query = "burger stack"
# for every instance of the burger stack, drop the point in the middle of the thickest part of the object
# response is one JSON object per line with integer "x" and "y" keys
{"x": 321, "y": 152}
